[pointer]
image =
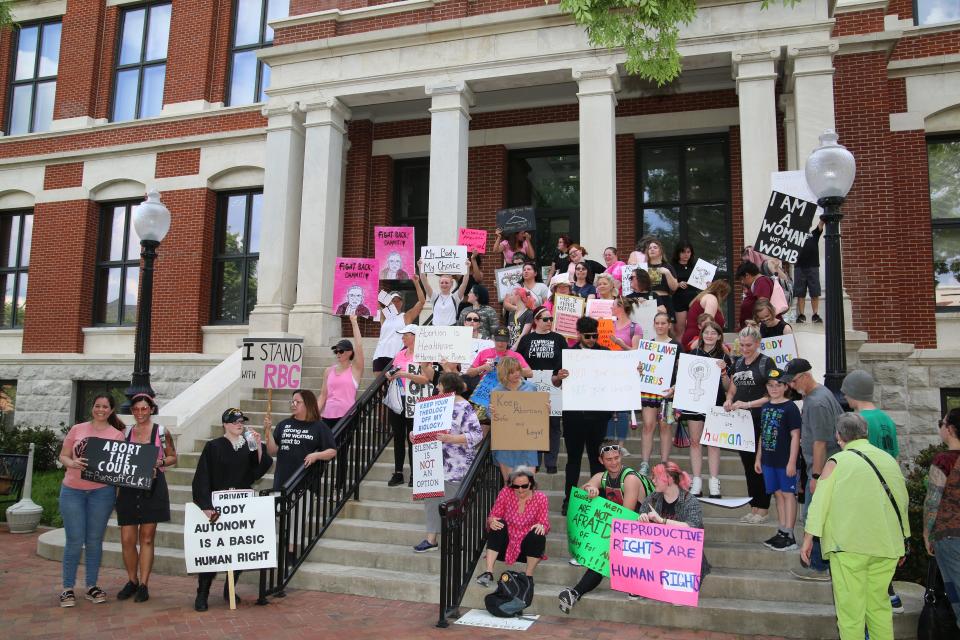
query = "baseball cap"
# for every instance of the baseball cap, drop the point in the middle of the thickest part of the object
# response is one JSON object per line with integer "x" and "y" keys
{"x": 410, "y": 328}
{"x": 343, "y": 345}
{"x": 232, "y": 415}
{"x": 776, "y": 375}
{"x": 501, "y": 333}
{"x": 794, "y": 368}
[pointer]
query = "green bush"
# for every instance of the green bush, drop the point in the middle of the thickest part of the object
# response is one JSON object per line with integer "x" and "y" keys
{"x": 914, "y": 569}
{"x": 46, "y": 439}
{"x": 46, "y": 493}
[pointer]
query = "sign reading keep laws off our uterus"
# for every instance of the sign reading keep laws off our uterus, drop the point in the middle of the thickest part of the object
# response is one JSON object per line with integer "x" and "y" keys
{"x": 271, "y": 363}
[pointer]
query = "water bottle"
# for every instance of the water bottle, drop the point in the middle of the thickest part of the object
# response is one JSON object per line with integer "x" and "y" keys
{"x": 251, "y": 441}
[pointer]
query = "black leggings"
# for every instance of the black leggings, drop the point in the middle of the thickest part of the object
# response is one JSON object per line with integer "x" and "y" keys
{"x": 532, "y": 546}
{"x": 590, "y": 581}
{"x": 582, "y": 430}
{"x": 402, "y": 426}
{"x": 756, "y": 489}
{"x": 343, "y": 455}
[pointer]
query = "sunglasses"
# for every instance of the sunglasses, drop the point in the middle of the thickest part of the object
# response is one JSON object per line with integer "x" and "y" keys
{"x": 471, "y": 319}
{"x": 610, "y": 447}
{"x": 338, "y": 351}
{"x": 517, "y": 487}
{"x": 546, "y": 318}
{"x": 589, "y": 336}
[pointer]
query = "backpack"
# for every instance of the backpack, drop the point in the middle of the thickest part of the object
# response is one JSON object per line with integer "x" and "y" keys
{"x": 514, "y": 594}
{"x": 778, "y": 298}
{"x": 782, "y": 278}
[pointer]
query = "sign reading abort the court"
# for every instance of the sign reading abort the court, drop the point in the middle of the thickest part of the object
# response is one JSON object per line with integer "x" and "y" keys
{"x": 119, "y": 463}
{"x": 271, "y": 363}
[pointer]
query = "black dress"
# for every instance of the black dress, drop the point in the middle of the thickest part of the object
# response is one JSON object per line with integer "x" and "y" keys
{"x": 139, "y": 506}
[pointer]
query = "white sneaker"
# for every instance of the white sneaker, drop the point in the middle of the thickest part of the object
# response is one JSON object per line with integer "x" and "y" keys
{"x": 624, "y": 453}
{"x": 573, "y": 562}
{"x": 644, "y": 468}
{"x": 696, "y": 486}
{"x": 714, "y": 486}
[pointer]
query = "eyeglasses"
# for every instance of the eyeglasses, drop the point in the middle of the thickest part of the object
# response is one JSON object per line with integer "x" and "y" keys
{"x": 296, "y": 402}
{"x": 517, "y": 487}
{"x": 589, "y": 336}
{"x": 471, "y": 319}
{"x": 610, "y": 447}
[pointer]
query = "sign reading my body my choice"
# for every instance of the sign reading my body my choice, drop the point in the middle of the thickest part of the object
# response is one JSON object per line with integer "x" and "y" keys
{"x": 440, "y": 260}
{"x": 119, "y": 463}
{"x": 271, "y": 363}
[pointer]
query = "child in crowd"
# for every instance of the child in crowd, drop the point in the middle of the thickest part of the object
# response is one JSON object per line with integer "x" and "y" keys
{"x": 777, "y": 454}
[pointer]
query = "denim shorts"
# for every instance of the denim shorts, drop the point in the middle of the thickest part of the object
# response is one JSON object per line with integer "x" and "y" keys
{"x": 776, "y": 479}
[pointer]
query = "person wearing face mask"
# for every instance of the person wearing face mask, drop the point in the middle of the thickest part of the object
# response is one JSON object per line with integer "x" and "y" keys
{"x": 392, "y": 318}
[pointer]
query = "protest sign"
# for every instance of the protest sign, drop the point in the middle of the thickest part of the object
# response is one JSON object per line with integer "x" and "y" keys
{"x": 431, "y": 416}
{"x": 220, "y": 498}
{"x": 271, "y": 363}
{"x": 643, "y": 314}
{"x": 414, "y": 390}
{"x": 697, "y": 381}
{"x": 508, "y": 279}
{"x": 394, "y": 251}
{"x": 436, "y": 344}
{"x": 589, "y": 524}
{"x": 729, "y": 430}
{"x": 626, "y": 271}
{"x": 793, "y": 183}
{"x": 481, "y": 394}
{"x": 656, "y": 363}
{"x": 485, "y": 619}
{"x": 601, "y": 380}
{"x": 544, "y": 383}
{"x": 478, "y": 345}
{"x": 657, "y": 561}
{"x": 782, "y": 349}
{"x": 519, "y": 421}
{"x": 475, "y": 240}
{"x": 441, "y": 260}
{"x": 566, "y": 311}
{"x": 427, "y": 469}
{"x": 516, "y": 219}
{"x": 605, "y": 333}
{"x": 785, "y": 226}
{"x": 726, "y": 503}
{"x": 702, "y": 275}
{"x": 384, "y": 298}
{"x": 355, "y": 287}
{"x": 598, "y": 309}
{"x": 119, "y": 463}
{"x": 243, "y": 537}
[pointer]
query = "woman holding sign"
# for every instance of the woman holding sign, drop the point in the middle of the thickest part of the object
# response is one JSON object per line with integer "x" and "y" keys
{"x": 513, "y": 244}
{"x": 416, "y": 381}
{"x": 85, "y": 506}
{"x": 653, "y": 413}
{"x": 510, "y": 376}
{"x": 446, "y": 300}
{"x": 139, "y": 511}
{"x": 392, "y": 318}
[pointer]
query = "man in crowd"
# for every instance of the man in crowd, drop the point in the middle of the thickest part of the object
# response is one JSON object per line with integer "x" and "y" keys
{"x": 755, "y": 286}
{"x": 806, "y": 275}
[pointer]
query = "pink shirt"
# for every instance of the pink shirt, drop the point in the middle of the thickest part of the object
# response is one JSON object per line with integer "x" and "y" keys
{"x": 491, "y": 354}
{"x": 76, "y": 441}
{"x": 507, "y": 508}
{"x": 616, "y": 270}
{"x": 508, "y": 251}
{"x": 341, "y": 393}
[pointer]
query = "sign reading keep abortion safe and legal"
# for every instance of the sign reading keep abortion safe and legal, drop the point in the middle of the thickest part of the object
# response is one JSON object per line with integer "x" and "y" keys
{"x": 271, "y": 363}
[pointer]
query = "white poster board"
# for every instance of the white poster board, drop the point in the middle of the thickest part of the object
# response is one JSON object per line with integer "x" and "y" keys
{"x": 729, "y": 430}
{"x": 782, "y": 349}
{"x": 601, "y": 380}
{"x": 544, "y": 383}
{"x": 508, "y": 279}
{"x": 436, "y": 344}
{"x": 697, "y": 381}
{"x": 599, "y": 309}
{"x": 479, "y": 345}
{"x": 626, "y": 271}
{"x": 643, "y": 314}
{"x": 702, "y": 275}
{"x": 447, "y": 259}
{"x": 427, "y": 470}
{"x": 271, "y": 363}
{"x": 243, "y": 537}
{"x": 432, "y": 416}
{"x": 656, "y": 363}
{"x": 793, "y": 183}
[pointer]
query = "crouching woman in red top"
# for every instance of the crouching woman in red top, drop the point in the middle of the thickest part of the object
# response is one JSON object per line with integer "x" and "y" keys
{"x": 518, "y": 524}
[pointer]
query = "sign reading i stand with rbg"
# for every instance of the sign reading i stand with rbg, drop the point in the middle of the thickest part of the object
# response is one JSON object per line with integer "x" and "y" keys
{"x": 271, "y": 363}
{"x": 119, "y": 463}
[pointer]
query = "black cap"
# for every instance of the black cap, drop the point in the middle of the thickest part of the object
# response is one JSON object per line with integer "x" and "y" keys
{"x": 501, "y": 333}
{"x": 233, "y": 414}
{"x": 343, "y": 345}
{"x": 794, "y": 368}
{"x": 776, "y": 375}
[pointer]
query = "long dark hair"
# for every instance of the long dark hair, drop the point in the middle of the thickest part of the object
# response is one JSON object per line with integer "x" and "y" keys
{"x": 113, "y": 419}
{"x": 310, "y": 403}
{"x": 677, "y": 250}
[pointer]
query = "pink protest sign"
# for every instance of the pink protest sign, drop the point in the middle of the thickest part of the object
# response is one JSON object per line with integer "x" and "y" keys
{"x": 475, "y": 240}
{"x": 355, "y": 287}
{"x": 656, "y": 561}
{"x": 393, "y": 248}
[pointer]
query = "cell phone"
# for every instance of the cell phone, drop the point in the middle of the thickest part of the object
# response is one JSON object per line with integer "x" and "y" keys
{"x": 393, "y": 371}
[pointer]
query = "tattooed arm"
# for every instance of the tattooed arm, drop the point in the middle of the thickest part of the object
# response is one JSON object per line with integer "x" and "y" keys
{"x": 935, "y": 483}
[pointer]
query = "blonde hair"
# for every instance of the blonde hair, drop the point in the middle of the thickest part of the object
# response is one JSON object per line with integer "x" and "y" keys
{"x": 606, "y": 276}
{"x": 764, "y": 304}
{"x": 750, "y": 330}
{"x": 507, "y": 366}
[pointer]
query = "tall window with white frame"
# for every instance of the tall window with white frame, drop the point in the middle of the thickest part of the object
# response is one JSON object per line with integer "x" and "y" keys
{"x": 141, "y": 62}
{"x": 943, "y": 161}
{"x": 249, "y": 77}
{"x": 118, "y": 267}
{"x": 16, "y": 231}
{"x": 34, "y": 77}
{"x": 935, "y": 11}
{"x": 236, "y": 255}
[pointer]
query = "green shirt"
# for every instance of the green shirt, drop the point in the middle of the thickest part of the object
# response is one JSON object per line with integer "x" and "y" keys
{"x": 881, "y": 431}
{"x": 850, "y": 510}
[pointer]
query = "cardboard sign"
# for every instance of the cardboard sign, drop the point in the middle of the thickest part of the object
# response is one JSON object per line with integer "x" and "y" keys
{"x": 481, "y": 394}
{"x": 729, "y": 430}
{"x": 566, "y": 311}
{"x": 657, "y": 561}
{"x": 656, "y": 364}
{"x": 626, "y": 272}
{"x": 601, "y": 380}
{"x": 508, "y": 279}
{"x": 544, "y": 383}
{"x": 782, "y": 349}
{"x": 384, "y": 298}
{"x": 271, "y": 363}
{"x": 785, "y": 226}
{"x": 589, "y": 525}
{"x": 244, "y": 537}
{"x": 703, "y": 273}
{"x": 394, "y": 251}
{"x": 520, "y": 421}
{"x": 441, "y": 260}
{"x": 643, "y": 314}
{"x": 436, "y": 344}
{"x": 355, "y": 287}
{"x": 475, "y": 240}
{"x": 427, "y": 469}
{"x": 598, "y": 309}
{"x": 517, "y": 219}
{"x": 432, "y": 416}
{"x": 697, "y": 381}
{"x": 414, "y": 391}
{"x": 605, "y": 332}
{"x": 119, "y": 463}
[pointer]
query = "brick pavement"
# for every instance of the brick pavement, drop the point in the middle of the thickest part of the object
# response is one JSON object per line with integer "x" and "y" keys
{"x": 29, "y": 609}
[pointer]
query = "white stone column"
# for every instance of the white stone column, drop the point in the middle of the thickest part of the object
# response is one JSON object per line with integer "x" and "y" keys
{"x": 756, "y": 73}
{"x": 280, "y": 232}
{"x": 321, "y": 219}
{"x": 597, "y": 87}
{"x": 789, "y": 130}
{"x": 449, "y": 144}
{"x": 810, "y": 77}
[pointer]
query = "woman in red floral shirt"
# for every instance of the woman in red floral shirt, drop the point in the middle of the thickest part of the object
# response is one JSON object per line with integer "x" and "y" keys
{"x": 518, "y": 523}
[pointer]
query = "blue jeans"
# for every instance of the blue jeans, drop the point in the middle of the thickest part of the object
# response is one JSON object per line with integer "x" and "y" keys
{"x": 816, "y": 557}
{"x": 948, "y": 559}
{"x": 85, "y": 515}
{"x": 618, "y": 426}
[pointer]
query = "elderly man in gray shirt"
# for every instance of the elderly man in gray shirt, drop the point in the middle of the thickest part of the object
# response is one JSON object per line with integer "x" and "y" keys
{"x": 817, "y": 443}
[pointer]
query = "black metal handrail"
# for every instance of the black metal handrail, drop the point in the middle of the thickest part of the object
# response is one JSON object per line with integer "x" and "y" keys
{"x": 463, "y": 529}
{"x": 309, "y": 501}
